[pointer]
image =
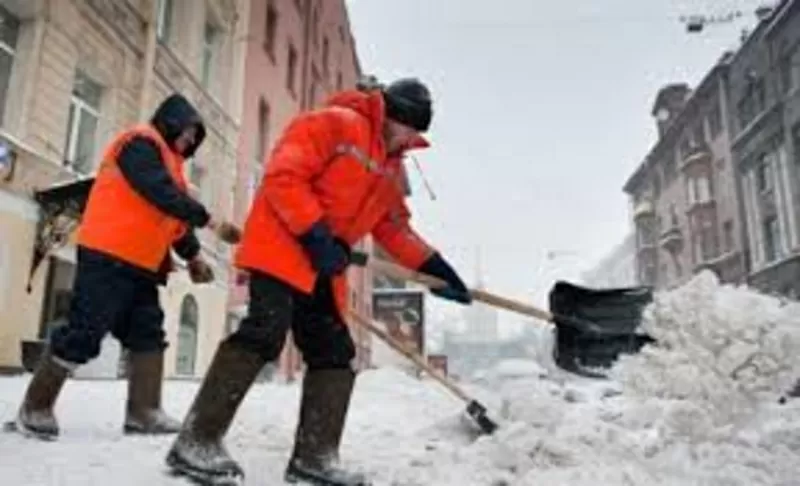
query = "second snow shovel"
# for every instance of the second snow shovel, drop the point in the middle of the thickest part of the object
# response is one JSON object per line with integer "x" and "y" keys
{"x": 476, "y": 411}
{"x": 593, "y": 326}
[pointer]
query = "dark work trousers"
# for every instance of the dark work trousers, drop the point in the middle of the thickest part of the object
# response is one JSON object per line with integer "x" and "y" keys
{"x": 109, "y": 295}
{"x": 317, "y": 328}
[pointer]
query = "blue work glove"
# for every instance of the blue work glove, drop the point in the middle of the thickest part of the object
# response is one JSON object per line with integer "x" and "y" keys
{"x": 456, "y": 290}
{"x": 329, "y": 256}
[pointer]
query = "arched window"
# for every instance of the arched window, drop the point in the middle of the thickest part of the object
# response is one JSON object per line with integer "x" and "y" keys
{"x": 187, "y": 337}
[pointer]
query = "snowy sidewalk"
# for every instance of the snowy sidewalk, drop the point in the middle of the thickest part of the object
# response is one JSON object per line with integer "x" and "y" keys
{"x": 386, "y": 430}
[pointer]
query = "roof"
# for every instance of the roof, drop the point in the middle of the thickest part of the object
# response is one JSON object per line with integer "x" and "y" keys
{"x": 780, "y": 15}
{"x": 692, "y": 103}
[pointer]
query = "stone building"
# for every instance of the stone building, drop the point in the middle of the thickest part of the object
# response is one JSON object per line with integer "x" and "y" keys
{"x": 765, "y": 94}
{"x": 74, "y": 72}
{"x": 684, "y": 199}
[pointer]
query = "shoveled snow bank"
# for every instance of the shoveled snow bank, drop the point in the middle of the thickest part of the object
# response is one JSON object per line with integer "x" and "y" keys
{"x": 699, "y": 409}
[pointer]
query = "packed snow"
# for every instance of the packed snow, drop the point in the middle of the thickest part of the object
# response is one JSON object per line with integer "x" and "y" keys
{"x": 701, "y": 408}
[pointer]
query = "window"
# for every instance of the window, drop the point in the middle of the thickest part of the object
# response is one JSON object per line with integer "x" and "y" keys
{"x": 325, "y": 54}
{"x": 315, "y": 25}
{"x": 164, "y": 22}
{"x": 291, "y": 69}
{"x": 673, "y": 216}
{"x": 752, "y": 103}
{"x": 58, "y": 291}
{"x": 9, "y": 32}
{"x": 312, "y": 94}
{"x": 709, "y": 243}
{"x": 705, "y": 240}
{"x": 771, "y": 239}
{"x": 670, "y": 171}
{"x": 698, "y": 190}
{"x": 685, "y": 148}
{"x": 656, "y": 185}
{"x": 262, "y": 137}
{"x": 313, "y": 89}
{"x": 764, "y": 175}
{"x": 699, "y": 134}
{"x": 715, "y": 121}
{"x": 727, "y": 229}
{"x": 82, "y": 122}
{"x": 271, "y": 30}
{"x": 210, "y": 38}
{"x": 790, "y": 70}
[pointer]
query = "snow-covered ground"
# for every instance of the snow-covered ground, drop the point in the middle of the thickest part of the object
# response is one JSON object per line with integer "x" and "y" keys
{"x": 700, "y": 410}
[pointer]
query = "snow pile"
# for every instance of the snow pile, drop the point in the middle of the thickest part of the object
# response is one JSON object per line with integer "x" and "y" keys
{"x": 725, "y": 346}
{"x": 699, "y": 409}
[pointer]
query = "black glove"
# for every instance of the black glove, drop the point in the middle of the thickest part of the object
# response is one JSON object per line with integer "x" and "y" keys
{"x": 456, "y": 290}
{"x": 329, "y": 256}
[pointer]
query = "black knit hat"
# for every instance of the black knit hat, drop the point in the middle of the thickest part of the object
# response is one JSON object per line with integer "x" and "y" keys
{"x": 408, "y": 101}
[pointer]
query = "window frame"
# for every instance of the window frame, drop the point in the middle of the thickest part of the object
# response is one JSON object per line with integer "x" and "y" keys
{"x": 78, "y": 108}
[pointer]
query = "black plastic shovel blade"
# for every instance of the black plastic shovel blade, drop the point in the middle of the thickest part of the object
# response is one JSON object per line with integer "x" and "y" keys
{"x": 595, "y": 326}
{"x": 479, "y": 415}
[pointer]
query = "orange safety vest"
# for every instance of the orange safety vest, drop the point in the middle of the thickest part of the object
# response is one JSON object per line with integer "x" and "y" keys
{"x": 120, "y": 222}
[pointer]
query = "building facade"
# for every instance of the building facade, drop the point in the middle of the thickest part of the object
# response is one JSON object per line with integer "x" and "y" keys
{"x": 684, "y": 200}
{"x": 72, "y": 74}
{"x": 299, "y": 52}
{"x": 765, "y": 94}
{"x": 736, "y": 139}
{"x": 617, "y": 269}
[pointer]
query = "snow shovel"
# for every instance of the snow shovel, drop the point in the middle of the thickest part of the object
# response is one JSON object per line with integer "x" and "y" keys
{"x": 475, "y": 410}
{"x": 593, "y": 326}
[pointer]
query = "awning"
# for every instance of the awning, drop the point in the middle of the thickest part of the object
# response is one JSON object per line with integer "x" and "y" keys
{"x": 61, "y": 206}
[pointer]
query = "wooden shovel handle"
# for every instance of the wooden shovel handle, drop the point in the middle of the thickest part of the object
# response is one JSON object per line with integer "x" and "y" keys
{"x": 414, "y": 357}
{"x": 398, "y": 271}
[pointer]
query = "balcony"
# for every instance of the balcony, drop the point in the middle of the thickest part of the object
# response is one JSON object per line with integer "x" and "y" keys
{"x": 644, "y": 210}
{"x": 697, "y": 155}
{"x": 703, "y": 207}
{"x": 672, "y": 240}
{"x": 728, "y": 266}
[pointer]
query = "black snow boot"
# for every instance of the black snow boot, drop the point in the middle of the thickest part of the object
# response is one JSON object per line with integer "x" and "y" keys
{"x": 198, "y": 452}
{"x": 143, "y": 413}
{"x": 323, "y": 410}
{"x": 35, "y": 417}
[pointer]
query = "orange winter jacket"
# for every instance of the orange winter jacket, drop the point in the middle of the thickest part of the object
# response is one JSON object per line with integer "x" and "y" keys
{"x": 330, "y": 164}
{"x": 120, "y": 222}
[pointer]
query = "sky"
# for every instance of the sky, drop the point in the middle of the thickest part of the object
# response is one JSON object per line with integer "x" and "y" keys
{"x": 542, "y": 112}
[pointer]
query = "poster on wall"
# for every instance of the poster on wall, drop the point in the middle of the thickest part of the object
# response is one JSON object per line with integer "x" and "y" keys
{"x": 401, "y": 312}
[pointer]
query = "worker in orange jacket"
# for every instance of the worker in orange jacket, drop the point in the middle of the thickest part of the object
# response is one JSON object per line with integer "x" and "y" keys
{"x": 137, "y": 211}
{"x": 334, "y": 177}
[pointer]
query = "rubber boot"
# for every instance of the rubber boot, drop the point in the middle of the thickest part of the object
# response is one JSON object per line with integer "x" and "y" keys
{"x": 35, "y": 417}
{"x": 143, "y": 412}
{"x": 323, "y": 410}
{"x": 198, "y": 452}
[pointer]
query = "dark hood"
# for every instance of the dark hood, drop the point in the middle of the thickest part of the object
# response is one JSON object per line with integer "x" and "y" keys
{"x": 173, "y": 115}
